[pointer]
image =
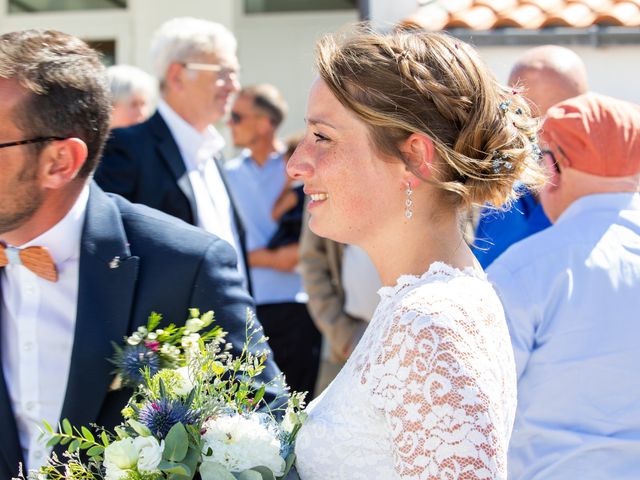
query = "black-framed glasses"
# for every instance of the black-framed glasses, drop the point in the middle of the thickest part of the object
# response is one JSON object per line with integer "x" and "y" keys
{"x": 31, "y": 140}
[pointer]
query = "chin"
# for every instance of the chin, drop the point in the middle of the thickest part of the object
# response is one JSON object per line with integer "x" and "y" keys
{"x": 330, "y": 231}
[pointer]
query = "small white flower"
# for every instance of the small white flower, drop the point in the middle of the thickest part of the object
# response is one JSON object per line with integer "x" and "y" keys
{"x": 150, "y": 454}
{"x": 240, "y": 443}
{"x": 184, "y": 385}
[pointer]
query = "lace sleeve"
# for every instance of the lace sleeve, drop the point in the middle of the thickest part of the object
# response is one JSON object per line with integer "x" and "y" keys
{"x": 435, "y": 384}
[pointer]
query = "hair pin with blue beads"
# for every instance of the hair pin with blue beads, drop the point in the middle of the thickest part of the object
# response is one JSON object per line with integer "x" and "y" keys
{"x": 500, "y": 162}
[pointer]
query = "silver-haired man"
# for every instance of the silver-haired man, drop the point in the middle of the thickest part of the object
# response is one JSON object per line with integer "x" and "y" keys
{"x": 171, "y": 162}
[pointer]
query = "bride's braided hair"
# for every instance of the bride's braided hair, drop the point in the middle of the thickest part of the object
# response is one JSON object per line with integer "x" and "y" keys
{"x": 406, "y": 82}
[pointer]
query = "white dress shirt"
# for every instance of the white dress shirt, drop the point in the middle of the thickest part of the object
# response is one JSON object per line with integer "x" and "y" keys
{"x": 361, "y": 282}
{"x": 215, "y": 213}
{"x": 38, "y": 327}
{"x": 571, "y": 295}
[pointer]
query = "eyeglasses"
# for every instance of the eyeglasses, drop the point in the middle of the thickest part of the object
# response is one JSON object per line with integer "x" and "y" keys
{"x": 31, "y": 140}
{"x": 223, "y": 72}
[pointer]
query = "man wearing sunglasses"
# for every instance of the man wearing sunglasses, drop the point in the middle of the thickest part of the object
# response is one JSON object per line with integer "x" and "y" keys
{"x": 172, "y": 161}
{"x": 571, "y": 295}
{"x": 79, "y": 268}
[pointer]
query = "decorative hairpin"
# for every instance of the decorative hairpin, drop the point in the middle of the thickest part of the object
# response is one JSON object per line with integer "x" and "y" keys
{"x": 504, "y": 106}
{"x": 500, "y": 161}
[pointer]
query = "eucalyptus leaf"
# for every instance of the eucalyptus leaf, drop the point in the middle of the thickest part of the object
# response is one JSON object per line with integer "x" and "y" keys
{"x": 139, "y": 428}
{"x": 264, "y": 472}
{"x": 176, "y": 444}
{"x": 249, "y": 475}
{"x": 86, "y": 433}
{"x": 214, "y": 471}
{"x": 95, "y": 450}
{"x": 175, "y": 468}
{"x": 66, "y": 427}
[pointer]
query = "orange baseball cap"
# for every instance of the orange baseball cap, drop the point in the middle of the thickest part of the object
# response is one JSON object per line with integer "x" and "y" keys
{"x": 597, "y": 134}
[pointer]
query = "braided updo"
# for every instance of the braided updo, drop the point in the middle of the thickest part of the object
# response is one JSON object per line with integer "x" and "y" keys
{"x": 423, "y": 82}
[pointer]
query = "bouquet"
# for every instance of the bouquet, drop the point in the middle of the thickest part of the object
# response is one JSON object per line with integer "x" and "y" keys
{"x": 195, "y": 410}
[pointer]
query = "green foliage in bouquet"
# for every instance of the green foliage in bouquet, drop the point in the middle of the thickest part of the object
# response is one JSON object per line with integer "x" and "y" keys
{"x": 195, "y": 409}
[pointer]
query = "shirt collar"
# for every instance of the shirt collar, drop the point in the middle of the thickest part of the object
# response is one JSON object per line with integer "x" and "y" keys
{"x": 248, "y": 158}
{"x": 196, "y": 147}
{"x": 602, "y": 201}
{"x": 63, "y": 239}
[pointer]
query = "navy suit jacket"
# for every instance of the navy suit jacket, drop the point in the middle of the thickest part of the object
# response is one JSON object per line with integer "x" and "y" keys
{"x": 143, "y": 164}
{"x": 164, "y": 266}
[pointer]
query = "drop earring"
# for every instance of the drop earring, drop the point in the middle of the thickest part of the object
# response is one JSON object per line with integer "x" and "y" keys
{"x": 408, "y": 203}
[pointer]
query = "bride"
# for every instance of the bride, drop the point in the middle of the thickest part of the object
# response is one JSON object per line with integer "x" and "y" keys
{"x": 404, "y": 131}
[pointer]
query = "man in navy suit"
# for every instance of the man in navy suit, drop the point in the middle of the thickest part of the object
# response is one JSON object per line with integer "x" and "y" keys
{"x": 80, "y": 268}
{"x": 172, "y": 161}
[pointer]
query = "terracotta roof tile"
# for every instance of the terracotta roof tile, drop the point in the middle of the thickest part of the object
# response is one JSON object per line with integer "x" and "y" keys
{"x": 526, "y": 14}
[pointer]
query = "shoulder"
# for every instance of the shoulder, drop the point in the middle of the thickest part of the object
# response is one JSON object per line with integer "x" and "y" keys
{"x": 151, "y": 228}
{"x": 234, "y": 164}
{"x": 138, "y": 135}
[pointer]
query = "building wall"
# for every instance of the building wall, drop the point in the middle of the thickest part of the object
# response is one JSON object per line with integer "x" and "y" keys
{"x": 612, "y": 70}
{"x": 278, "y": 49}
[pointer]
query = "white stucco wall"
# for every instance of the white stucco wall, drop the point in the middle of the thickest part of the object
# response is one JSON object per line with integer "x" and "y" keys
{"x": 612, "y": 70}
{"x": 279, "y": 48}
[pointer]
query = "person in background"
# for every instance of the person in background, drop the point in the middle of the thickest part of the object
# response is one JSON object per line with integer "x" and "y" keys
{"x": 545, "y": 75}
{"x": 173, "y": 161}
{"x": 570, "y": 295}
{"x": 256, "y": 180}
{"x": 133, "y": 93}
{"x": 79, "y": 268}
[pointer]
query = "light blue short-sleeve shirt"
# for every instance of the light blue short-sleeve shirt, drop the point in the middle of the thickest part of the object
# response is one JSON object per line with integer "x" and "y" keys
{"x": 571, "y": 295}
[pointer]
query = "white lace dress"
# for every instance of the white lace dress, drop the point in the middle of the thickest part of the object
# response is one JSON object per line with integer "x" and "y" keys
{"x": 428, "y": 393}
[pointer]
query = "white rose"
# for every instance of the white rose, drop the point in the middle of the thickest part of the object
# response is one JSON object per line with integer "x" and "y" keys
{"x": 150, "y": 454}
{"x": 119, "y": 457}
{"x": 184, "y": 385}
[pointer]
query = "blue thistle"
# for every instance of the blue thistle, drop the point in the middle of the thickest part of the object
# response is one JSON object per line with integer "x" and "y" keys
{"x": 133, "y": 359}
{"x": 160, "y": 415}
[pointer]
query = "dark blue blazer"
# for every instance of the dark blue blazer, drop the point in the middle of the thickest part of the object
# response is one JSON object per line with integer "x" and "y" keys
{"x": 164, "y": 266}
{"x": 143, "y": 164}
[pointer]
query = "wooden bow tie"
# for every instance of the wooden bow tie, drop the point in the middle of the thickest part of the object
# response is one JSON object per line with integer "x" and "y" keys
{"x": 36, "y": 259}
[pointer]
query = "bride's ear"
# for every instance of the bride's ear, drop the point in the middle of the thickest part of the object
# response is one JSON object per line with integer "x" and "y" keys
{"x": 418, "y": 152}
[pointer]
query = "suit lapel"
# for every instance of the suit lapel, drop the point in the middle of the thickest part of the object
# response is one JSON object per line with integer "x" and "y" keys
{"x": 170, "y": 153}
{"x": 10, "y": 450}
{"x": 106, "y": 289}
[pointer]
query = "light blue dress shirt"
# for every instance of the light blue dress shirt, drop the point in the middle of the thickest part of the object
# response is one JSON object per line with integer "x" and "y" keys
{"x": 255, "y": 190}
{"x": 571, "y": 295}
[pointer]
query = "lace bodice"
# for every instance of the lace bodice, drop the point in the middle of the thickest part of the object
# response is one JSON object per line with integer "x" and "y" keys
{"x": 429, "y": 392}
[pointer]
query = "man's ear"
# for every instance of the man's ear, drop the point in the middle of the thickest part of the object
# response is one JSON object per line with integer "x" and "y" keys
{"x": 419, "y": 152}
{"x": 174, "y": 76}
{"x": 61, "y": 161}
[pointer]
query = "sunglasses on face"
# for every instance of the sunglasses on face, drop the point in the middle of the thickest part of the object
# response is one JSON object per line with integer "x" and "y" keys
{"x": 236, "y": 118}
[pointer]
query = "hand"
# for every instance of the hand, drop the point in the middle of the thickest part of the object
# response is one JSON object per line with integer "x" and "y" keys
{"x": 284, "y": 258}
{"x": 285, "y": 202}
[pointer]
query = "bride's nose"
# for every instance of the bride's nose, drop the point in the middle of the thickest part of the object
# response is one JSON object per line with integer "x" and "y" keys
{"x": 299, "y": 165}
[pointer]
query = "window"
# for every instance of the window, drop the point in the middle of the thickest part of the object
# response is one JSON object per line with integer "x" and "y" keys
{"x": 269, "y": 6}
{"x": 34, "y": 6}
{"x": 107, "y": 48}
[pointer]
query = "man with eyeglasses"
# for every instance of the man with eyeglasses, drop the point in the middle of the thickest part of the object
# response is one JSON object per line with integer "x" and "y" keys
{"x": 79, "y": 268}
{"x": 571, "y": 295}
{"x": 172, "y": 162}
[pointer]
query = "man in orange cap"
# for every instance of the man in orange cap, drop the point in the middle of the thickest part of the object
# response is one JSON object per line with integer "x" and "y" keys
{"x": 571, "y": 294}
